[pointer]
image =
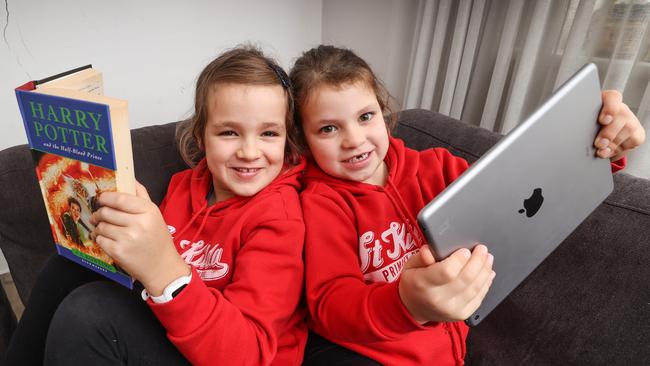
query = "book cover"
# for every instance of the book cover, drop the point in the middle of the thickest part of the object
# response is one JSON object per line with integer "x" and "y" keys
{"x": 79, "y": 151}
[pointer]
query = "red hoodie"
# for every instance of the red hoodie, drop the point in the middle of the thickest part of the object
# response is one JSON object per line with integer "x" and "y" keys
{"x": 358, "y": 238}
{"x": 242, "y": 305}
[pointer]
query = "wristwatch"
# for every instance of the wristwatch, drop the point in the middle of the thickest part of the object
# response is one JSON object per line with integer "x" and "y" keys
{"x": 171, "y": 291}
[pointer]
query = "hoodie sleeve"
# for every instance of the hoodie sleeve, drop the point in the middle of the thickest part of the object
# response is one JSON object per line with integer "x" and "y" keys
{"x": 341, "y": 304}
{"x": 619, "y": 164}
{"x": 240, "y": 326}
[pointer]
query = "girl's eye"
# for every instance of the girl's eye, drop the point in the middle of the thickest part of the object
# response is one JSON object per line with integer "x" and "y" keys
{"x": 270, "y": 134}
{"x": 327, "y": 129}
{"x": 366, "y": 116}
{"x": 227, "y": 133}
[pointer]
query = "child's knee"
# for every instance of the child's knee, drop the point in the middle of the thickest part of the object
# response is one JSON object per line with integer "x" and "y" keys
{"x": 86, "y": 309}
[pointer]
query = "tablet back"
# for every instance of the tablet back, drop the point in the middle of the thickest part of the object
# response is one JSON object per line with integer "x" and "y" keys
{"x": 529, "y": 192}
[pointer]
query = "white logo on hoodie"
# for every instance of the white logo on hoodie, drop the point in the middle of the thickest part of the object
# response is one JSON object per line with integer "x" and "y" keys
{"x": 394, "y": 257}
{"x": 206, "y": 258}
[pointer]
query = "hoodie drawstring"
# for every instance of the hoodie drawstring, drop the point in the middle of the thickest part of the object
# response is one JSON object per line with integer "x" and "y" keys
{"x": 192, "y": 219}
{"x": 405, "y": 213}
{"x": 205, "y": 219}
{"x": 452, "y": 329}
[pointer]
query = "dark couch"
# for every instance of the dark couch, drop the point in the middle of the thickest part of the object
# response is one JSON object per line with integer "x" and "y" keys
{"x": 587, "y": 304}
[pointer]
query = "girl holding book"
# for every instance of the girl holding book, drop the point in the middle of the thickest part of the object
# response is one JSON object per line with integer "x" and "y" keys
{"x": 220, "y": 262}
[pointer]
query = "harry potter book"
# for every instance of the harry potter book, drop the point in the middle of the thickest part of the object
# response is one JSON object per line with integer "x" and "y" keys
{"x": 81, "y": 144}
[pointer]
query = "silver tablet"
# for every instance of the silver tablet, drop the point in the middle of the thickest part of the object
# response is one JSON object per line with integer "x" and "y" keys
{"x": 529, "y": 192}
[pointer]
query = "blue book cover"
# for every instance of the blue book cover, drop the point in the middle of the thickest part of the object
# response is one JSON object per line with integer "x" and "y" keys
{"x": 73, "y": 150}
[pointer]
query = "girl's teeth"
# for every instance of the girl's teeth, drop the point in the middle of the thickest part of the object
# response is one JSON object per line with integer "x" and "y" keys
{"x": 359, "y": 157}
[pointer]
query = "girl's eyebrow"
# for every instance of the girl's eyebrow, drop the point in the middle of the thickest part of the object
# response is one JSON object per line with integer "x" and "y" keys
{"x": 232, "y": 124}
{"x": 365, "y": 109}
{"x": 224, "y": 124}
{"x": 360, "y": 111}
{"x": 272, "y": 125}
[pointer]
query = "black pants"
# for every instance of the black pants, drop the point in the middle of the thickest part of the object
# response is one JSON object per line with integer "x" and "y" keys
{"x": 321, "y": 352}
{"x": 103, "y": 323}
{"x": 78, "y": 317}
{"x": 86, "y": 319}
{"x": 56, "y": 280}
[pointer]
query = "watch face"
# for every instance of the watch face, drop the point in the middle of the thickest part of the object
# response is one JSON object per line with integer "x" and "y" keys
{"x": 178, "y": 290}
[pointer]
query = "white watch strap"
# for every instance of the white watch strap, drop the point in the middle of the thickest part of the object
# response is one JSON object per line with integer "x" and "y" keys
{"x": 168, "y": 292}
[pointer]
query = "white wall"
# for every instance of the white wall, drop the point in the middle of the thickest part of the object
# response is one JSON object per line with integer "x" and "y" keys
{"x": 379, "y": 31}
{"x": 149, "y": 51}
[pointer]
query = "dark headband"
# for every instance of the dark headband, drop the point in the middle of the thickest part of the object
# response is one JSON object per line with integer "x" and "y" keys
{"x": 284, "y": 78}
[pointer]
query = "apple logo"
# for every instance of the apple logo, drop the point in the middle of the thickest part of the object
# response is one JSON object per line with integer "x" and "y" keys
{"x": 532, "y": 204}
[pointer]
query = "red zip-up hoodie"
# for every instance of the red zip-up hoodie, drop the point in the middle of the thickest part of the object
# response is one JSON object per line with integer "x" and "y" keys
{"x": 358, "y": 238}
{"x": 242, "y": 306}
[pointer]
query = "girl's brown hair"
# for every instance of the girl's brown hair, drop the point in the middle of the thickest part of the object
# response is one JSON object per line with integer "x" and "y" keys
{"x": 241, "y": 65}
{"x": 333, "y": 66}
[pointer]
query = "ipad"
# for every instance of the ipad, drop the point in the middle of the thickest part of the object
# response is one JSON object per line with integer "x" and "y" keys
{"x": 528, "y": 192}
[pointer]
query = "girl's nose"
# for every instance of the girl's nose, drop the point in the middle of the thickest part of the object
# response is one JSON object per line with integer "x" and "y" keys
{"x": 248, "y": 150}
{"x": 354, "y": 137}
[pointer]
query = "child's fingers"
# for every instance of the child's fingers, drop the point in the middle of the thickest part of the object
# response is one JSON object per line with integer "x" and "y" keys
{"x": 427, "y": 255}
{"x": 108, "y": 231}
{"x": 636, "y": 138}
{"x": 123, "y": 202}
{"x": 107, "y": 244}
{"x": 612, "y": 100}
{"x": 423, "y": 258}
{"x": 141, "y": 191}
{"x": 474, "y": 288}
{"x": 475, "y": 302}
{"x": 616, "y": 146}
{"x": 607, "y": 136}
{"x": 632, "y": 137}
{"x": 447, "y": 270}
{"x": 480, "y": 263}
{"x": 111, "y": 216}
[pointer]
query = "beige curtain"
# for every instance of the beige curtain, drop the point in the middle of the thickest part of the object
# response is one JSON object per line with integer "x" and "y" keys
{"x": 491, "y": 63}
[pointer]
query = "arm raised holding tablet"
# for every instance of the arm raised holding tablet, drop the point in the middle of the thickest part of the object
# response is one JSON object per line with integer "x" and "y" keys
{"x": 525, "y": 195}
{"x": 621, "y": 130}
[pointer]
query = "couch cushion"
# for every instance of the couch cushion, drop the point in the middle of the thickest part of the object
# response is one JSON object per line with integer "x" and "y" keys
{"x": 25, "y": 236}
{"x": 588, "y": 302}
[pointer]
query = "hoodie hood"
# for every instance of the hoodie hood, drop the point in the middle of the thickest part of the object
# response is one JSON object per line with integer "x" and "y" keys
{"x": 200, "y": 184}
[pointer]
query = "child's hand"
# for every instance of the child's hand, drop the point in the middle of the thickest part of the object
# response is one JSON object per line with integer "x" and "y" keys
{"x": 621, "y": 130}
{"x": 132, "y": 231}
{"x": 449, "y": 290}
